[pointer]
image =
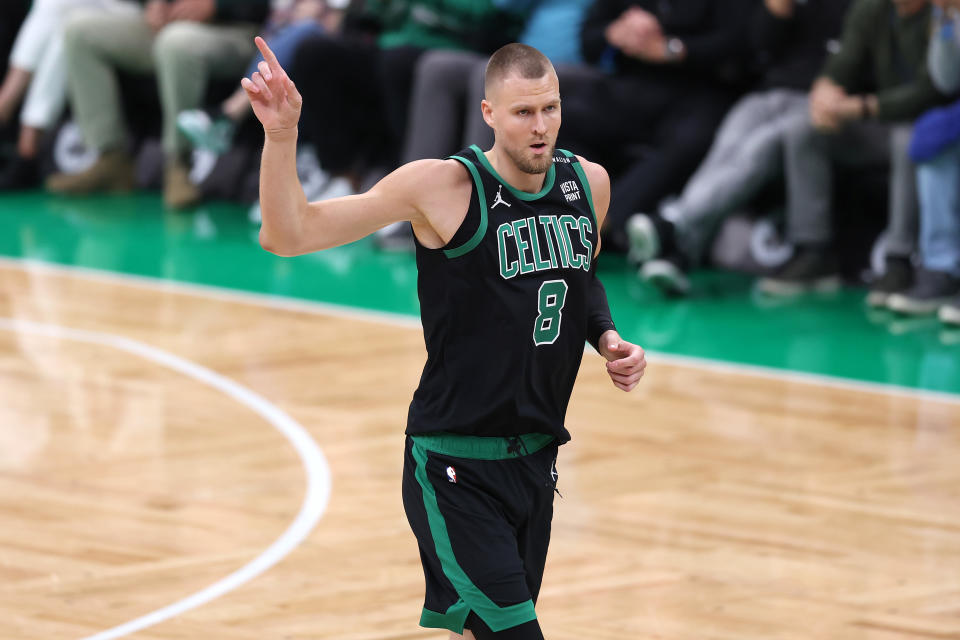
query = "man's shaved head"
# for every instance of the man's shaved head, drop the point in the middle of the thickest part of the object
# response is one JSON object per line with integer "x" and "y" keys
{"x": 515, "y": 58}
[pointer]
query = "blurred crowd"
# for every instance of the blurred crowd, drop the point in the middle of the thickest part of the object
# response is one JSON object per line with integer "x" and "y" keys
{"x": 839, "y": 115}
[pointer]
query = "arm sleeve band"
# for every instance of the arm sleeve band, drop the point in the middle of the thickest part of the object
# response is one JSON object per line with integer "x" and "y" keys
{"x": 598, "y": 313}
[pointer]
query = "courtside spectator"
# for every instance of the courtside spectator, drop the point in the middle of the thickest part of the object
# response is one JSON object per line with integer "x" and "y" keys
{"x": 677, "y": 71}
{"x": 185, "y": 43}
{"x": 38, "y": 68}
{"x": 861, "y": 113}
{"x": 936, "y": 150}
{"x": 356, "y": 91}
{"x": 212, "y": 129}
{"x": 790, "y": 41}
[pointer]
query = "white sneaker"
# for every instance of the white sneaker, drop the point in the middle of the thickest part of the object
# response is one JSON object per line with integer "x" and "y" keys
{"x": 643, "y": 237}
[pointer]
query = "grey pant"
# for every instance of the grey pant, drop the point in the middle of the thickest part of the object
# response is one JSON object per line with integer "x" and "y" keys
{"x": 447, "y": 90}
{"x": 184, "y": 56}
{"x": 747, "y": 153}
{"x": 810, "y": 157}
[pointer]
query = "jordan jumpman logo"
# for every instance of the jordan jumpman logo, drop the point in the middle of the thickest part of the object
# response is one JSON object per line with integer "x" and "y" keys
{"x": 499, "y": 199}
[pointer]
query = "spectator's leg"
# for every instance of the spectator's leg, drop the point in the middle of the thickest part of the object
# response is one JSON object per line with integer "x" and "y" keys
{"x": 96, "y": 44}
{"x": 342, "y": 109}
{"x": 682, "y": 139}
{"x": 48, "y": 90}
{"x": 808, "y": 165}
{"x": 12, "y": 15}
{"x": 475, "y": 128}
{"x": 440, "y": 91}
{"x": 631, "y": 109}
{"x": 397, "y": 67}
{"x": 187, "y": 55}
{"x": 746, "y": 154}
{"x": 810, "y": 157}
{"x": 939, "y": 190}
{"x": 28, "y": 48}
{"x": 904, "y": 202}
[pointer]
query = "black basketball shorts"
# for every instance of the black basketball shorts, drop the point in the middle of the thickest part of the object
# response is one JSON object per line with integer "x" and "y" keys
{"x": 481, "y": 510}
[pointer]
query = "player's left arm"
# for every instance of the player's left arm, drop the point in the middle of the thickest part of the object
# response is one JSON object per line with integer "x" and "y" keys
{"x": 626, "y": 362}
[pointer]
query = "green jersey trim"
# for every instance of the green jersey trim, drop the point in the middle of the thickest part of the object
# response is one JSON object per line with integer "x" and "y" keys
{"x": 586, "y": 183}
{"x": 523, "y": 195}
{"x": 472, "y": 243}
{"x": 497, "y": 618}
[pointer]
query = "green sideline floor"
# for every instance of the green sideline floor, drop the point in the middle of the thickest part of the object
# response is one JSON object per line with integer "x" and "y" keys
{"x": 216, "y": 245}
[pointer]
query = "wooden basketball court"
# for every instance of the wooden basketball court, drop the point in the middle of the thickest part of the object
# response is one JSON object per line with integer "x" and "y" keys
{"x": 140, "y": 463}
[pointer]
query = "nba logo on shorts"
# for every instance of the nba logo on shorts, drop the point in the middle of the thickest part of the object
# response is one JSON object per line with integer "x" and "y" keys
{"x": 451, "y": 475}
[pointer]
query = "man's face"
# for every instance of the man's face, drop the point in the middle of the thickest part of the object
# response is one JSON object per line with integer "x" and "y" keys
{"x": 907, "y": 8}
{"x": 525, "y": 116}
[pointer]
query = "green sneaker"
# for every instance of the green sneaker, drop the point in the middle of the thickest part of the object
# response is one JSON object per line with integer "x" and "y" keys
{"x": 214, "y": 134}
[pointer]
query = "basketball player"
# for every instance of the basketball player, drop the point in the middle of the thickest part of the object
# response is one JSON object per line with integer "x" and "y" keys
{"x": 506, "y": 245}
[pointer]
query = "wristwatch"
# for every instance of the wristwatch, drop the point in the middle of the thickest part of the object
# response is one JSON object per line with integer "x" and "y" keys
{"x": 674, "y": 49}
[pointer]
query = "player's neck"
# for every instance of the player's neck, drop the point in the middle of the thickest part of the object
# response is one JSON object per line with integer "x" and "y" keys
{"x": 520, "y": 180}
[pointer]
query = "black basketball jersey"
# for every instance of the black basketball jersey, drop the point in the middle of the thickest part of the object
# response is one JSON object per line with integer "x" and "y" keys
{"x": 504, "y": 306}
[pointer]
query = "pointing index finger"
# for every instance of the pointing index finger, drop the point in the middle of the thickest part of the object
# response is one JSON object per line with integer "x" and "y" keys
{"x": 268, "y": 55}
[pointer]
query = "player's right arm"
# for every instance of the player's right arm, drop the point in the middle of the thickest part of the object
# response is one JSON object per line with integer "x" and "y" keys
{"x": 291, "y": 226}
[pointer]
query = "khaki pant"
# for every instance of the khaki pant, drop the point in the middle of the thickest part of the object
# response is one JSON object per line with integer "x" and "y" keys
{"x": 183, "y": 55}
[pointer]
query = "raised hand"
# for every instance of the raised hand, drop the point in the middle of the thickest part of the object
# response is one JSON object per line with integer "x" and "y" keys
{"x": 273, "y": 96}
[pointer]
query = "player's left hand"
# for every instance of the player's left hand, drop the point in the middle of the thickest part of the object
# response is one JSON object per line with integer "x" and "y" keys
{"x": 626, "y": 362}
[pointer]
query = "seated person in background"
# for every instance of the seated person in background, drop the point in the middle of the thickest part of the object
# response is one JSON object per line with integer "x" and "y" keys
{"x": 861, "y": 110}
{"x": 936, "y": 150}
{"x": 448, "y": 86}
{"x": 357, "y": 91}
{"x": 674, "y": 65}
{"x": 38, "y": 69}
{"x": 212, "y": 129}
{"x": 790, "y": 40}
{"x": 185, "y": 43}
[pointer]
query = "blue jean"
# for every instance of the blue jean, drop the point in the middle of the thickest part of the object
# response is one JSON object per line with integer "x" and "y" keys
{"x": 938, "y": 183}
{"x": 283, "y": 42}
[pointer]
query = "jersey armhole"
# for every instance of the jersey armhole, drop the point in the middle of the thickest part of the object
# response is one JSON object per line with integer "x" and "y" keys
{"x": 575, "y": 163}
{"x": 472, "y": 243}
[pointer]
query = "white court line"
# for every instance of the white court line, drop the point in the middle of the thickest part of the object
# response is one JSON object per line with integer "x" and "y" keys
{"x": 400, "y": 320}
{"x": 314, "y": 463}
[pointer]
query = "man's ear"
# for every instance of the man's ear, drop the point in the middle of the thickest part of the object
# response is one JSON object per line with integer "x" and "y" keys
{"x": 487, "y": 110}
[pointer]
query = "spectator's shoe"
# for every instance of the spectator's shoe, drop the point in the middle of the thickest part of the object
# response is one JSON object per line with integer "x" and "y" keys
{"x": 667, "y": 274}
{"x": 178, "y": 191}
{"x": 112, "y": 171}
{"x": 808, "y": 270}
{"x": 395, "y": 237}
{"x": 930, "y": 291}
{"x": 897, "y": 278}
{"x": 20, "y": 173}
{"x": 950, "y": 312}
{"x": 650, "y": 236}
{"x": 206, "y": 131}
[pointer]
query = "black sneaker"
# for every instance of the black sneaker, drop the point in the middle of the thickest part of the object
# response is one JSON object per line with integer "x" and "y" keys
{"x": 668, "y": 274}
{"x": 650, "y": 237}
{"x": 930, "y": 291}
{"x": 810, "y": 269}
{"x": 896, "y": 278}
{"x": 950, "y": 312}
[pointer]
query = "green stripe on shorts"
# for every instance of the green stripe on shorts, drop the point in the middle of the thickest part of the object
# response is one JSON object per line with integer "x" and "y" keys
{"x": 496, "y": 617}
